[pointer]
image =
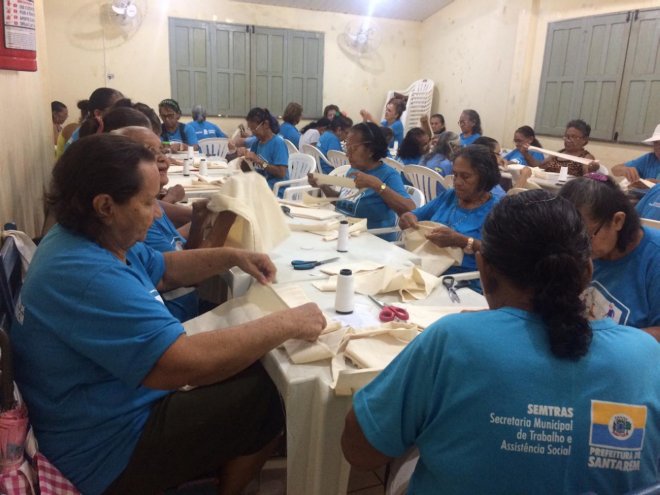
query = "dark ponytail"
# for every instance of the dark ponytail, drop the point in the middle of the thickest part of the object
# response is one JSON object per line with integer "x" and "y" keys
{"x": 538, "y": 242}
{"x": 259, "y": 115}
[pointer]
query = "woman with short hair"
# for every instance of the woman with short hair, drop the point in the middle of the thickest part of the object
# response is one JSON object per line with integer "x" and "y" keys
{"x": 529, "y": 396}
{"x": 470, "y": 124}
{"x": 626, "y": 281}
{"x": 290, "y": 119}
{"x": 393, "y": 111}
{"x": 100, "y": 360}
{"x": 202, "y": 127}
{"x": 463, "y": 209}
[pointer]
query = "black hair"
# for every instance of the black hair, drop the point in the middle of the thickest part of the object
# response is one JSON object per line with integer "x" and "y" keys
{"x": 372, "y": 138}
{"x": 171, "y": 104}
{"x": 151, "y": 115}
{"x": 260, "y": 115}
{"x": 98, "y": 164}
{"x": 581, "y": 126}
{"x": 442, "y": 121}
{"x": 83, "y": 106}
{"x": 474, "y": 117}
{"x": 340, "y": 122}
{"x": 529, "y": 133}
{"x": 57, "y": 106}
{"x": 292, "y": 113}
{"x": 488, "y": 142}
{"x": 602, "y": 198}
{"x": 315, "y": 124}
{"x": 115, "y": 119}
{"x": 411, "y": 147}
{"x": 387, "y": 132}
{"x": 484, "y": 162}
{"x": 102, "y": 98}
{"x": 330, "y": 107}
{"x": 539, "y": 243}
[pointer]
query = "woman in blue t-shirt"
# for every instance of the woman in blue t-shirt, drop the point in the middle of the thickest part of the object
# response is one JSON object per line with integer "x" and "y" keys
{"x": 470, "y": 124}
{"x": 268, "y": 153}
{"x": 291, "y": 118}
{"x": 393, "y": 111}
{"x": 523, "y": 138}
{"x": 444, "y": 146}
{"x": 414, "y": 146}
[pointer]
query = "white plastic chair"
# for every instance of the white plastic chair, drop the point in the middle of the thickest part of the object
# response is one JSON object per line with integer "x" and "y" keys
{"x": 337, "y": 158}
{"x": 416, "y": 195}
{"x": 396, "y": 165}
{"x": 318, "y": 155}
{"x": 300, "y": 165}
{"x": 649, "y": 222}
{"x": 401, "y": 470}
{"x": 214, "y": 146}
{"x": 425, "y": 179}
{"x": 290, "y": 146}
{"x": 420, "y": 97}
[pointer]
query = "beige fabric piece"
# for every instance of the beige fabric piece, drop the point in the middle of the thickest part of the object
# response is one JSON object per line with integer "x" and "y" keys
{"x": 309, "y": 199}
{"x": 411, "y": 283}
{"x": 329, "y": 229}
{"x": 334, "y": 180}
{"x": 355, "y": 267}
{"x": 215, "y": 182}
{"x": 313, "y": 213}
{"x": 434, "y": 259}
{"x": 563, "y": 156}
{"x": 260, "y": 224}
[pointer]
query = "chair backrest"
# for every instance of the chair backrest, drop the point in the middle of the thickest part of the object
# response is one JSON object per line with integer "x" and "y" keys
{"x": 396, "y": 165}
{"x": 290, "y": 146}
{"x": 420, "y": 98}
{"x": 649, "y": 222}
{"x": 300, "y": 165}
{"x": 423, "y": 178}
{"x": 11, "y": 279}
{"x": 214, "y": 146}
{"x": 416, "y": 195}
{"x": 340, "y": 171}
{"x": 337, "y": 158}
{"x": 310, "y": 150}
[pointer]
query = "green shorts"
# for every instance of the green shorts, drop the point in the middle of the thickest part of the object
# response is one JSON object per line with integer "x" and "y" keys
{"x": 192, "y": 434}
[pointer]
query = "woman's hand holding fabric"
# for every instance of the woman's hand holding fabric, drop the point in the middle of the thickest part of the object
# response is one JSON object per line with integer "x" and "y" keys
{"x": 363, "y": 181}
{"x": 258, "y": 265}
{"x": 408, "y": 220}
{"x": 308, "y": 319}
{"x": 446, "y": 237}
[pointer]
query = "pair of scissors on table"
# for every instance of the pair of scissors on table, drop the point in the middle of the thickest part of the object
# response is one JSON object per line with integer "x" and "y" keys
{"x": 390, "y": 313}
{"x": 308, "y": 265}
{"x": 448, "y": 282}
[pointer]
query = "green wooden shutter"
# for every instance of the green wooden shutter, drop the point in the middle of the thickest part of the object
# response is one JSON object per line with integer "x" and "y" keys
{"x": 231, "y": 69}
{"x": 600, "y": 75}
{"x": 639, "y": 105}
{"x": 190, "y": 63}
{"x": 305, "y": 74}
{"x": 269, "y": 66}
{"x": 561, "y": 68}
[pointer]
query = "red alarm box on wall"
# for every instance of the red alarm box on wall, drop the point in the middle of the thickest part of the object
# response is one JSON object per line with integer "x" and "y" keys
{"x": 18, "y": 35}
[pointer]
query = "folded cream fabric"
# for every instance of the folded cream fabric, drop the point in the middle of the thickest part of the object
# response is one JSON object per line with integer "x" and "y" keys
{"x": 334, "y": 180}
{"x": 434, "y": 259}
{"x": 411, "y": 283}
{"x": 260, "y": 224}
{"x": 313, "y": 213}
{"x": 355, "y": 267}
{"x": 329, "y": 228}
{"x": 220, "y": 181}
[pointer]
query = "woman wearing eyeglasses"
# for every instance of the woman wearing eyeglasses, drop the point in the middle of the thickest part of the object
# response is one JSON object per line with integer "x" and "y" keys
{"x": 178, "y": 134}
{"x": 576, "y": 138}
{"x": 383, "y": 195}
{"x": 269, "y": 152}
{"x": 626, "y": 280}
{"x": 470, "y": 124}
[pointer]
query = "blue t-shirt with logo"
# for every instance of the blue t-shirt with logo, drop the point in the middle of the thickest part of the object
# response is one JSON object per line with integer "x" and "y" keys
{"x": 628, "y": 289}
{"x": 467, "y": 140}
{"x": 89, "y": 329}
{"x": 206, "y": 130}
{"x": 649, "y": 205}
{"x": 648, "y": 166}
{"x": 275, "y": 152}
{"x": 369, "y": 204}
{"x": 492, "y": 410}
{"x": 516, "y": 156}
{"x": 183, "y": 133}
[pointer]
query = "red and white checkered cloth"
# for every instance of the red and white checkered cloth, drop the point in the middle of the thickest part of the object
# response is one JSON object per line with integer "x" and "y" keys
{"x": 51, "y": 481}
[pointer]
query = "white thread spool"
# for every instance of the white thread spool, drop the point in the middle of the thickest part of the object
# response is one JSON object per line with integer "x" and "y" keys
{"x": 186, "y": 167}
{"x": 563, "y": 174}
{"x": 342, "y": 237}
{"x": 345, "y": 291}
{"x": 203, "y": 167}
{"x": 191, "y": 153}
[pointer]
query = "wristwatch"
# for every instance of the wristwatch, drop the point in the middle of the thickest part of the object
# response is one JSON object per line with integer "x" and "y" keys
{"x": 469, "y": 247}
{"x": 382, "y": 188}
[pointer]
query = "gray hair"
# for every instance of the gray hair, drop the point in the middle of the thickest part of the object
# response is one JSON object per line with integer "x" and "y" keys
{"x": 199, "y": 113}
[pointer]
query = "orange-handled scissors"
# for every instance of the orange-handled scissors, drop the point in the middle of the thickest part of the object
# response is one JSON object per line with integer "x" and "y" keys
{"x": 390, "y": 313}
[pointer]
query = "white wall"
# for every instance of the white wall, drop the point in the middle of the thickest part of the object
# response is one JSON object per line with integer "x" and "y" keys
{"x": 26, "y": 129}
{"x": 85, "y": 47}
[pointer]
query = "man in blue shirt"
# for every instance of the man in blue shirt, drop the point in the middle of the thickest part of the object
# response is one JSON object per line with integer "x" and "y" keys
{"x": 646, "y": 166}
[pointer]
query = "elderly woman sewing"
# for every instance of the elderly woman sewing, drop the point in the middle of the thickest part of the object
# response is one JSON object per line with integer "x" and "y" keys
{"x": 576, "y": 138}
{"x": 99, "y": 358}
{"x": 529, "y": 387}
{"x": 383, "y": 195}
{"x": 464, "y": 208}
{"x": 626, "y": 281}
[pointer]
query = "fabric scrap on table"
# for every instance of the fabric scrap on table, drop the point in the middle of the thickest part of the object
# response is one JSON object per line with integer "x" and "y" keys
{"x": 434, "y": 259}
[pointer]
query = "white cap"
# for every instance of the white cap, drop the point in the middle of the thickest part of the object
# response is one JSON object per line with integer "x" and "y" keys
{"x": 655, "y": 137}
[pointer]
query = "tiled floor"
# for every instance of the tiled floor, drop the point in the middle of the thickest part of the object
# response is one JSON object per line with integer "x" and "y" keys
{"x": 366, "y": 482}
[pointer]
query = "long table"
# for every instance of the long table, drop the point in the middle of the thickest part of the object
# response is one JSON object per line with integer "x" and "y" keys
{"x": 314, "y": 414}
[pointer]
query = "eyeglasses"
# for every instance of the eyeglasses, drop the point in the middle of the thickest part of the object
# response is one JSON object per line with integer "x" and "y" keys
{"x": 568, "y": 137}
{"x": 167, "y": 116}
{"x": 255, "y": 128}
